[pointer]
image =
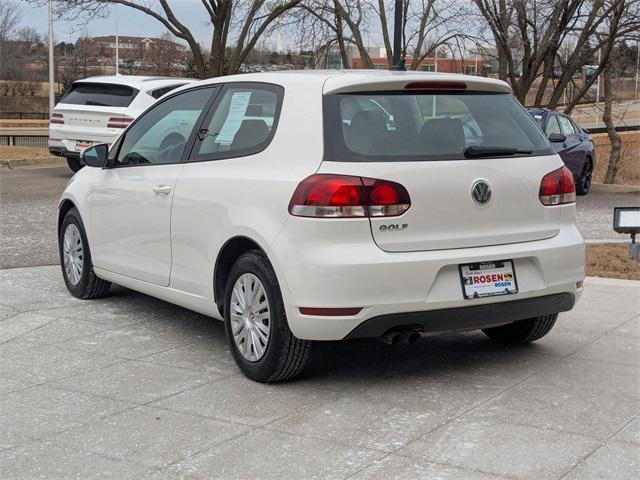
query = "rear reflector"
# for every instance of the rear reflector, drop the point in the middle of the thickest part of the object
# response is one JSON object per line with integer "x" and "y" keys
{"x": 436, "y": 85}
{"x": 580, "y": 284}
{"x": 119, "y": 122}
{"x": 558, "y": 187}
{"x": 56, "y": 118}
{"x": 330, "y": 312}
{"x": 344, "y": 196}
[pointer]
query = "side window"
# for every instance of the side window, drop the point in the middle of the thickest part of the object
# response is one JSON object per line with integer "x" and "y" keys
{"x": 566, "y": 126}
{"x": 161, "y": 134}
{"x": 552, "y": 125}
{"x": 243, "y": 123}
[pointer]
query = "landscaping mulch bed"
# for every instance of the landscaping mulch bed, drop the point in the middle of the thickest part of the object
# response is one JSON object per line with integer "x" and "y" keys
{"x": 611, "y": 260}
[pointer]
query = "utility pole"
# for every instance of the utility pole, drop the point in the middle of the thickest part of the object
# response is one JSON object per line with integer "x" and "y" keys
{"x": 637, "y": 66}
{"x": 52, "y": 101}
{"x": 117, "y": 43}
{"x": 598, "y": 87}
{"x": 398, "y": 63}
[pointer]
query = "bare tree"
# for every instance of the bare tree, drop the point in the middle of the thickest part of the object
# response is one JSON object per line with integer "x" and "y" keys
{"x": 229, "y": 46}
{"x": 9, "y": 19}
{"x": 528, "y": 35}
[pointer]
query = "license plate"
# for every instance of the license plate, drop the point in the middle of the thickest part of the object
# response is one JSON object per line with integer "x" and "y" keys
{"x": 82, "y": 144}
{"x": 488, "y": 279}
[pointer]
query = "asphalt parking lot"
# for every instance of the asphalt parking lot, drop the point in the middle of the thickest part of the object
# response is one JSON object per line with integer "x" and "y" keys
{"x": 133, "y": 387}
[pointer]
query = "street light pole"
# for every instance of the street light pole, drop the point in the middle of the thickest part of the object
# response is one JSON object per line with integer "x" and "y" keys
{"x": 52, "y": 102}
{"x": 398, "y": 63}
{"x": 117, "y": 43}
{"x": 637, "y": 65}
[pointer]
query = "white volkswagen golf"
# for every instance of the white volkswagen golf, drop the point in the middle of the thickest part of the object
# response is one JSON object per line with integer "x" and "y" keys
{"x": 306, "y": 206}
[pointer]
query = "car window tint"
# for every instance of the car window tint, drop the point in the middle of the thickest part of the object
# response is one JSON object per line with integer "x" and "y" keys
{"x": 565, "y": 125}
{"x": 161, "y": 134}
{"x": 408, "y": 126}
{"x": 100, "y": 95}
{"x": 553, "y": 126}
{"x": 243, "y": 122}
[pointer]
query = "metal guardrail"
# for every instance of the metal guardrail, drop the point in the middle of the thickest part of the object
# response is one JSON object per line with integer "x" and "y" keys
{"x": 31, "y": 141}
{"x": 24, "y": 115}
{"x": 622, "y": 128}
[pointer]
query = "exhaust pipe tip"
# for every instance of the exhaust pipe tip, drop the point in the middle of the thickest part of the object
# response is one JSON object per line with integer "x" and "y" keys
{"x": 399, "y": 337}
{"x": 412, "y": 337}
{"x": 392, "y": 337}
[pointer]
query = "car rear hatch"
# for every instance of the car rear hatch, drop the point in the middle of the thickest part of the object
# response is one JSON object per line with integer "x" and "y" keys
{"x": 468, "y": 154}
{"x": 95, "y": 108}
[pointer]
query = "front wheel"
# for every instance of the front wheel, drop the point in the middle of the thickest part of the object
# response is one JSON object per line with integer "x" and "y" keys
{"x": 74, "y": 164}
{"x": 522, "y": 331}
{"x": 256, "y": 324}
{"x": 75, "y": 259}
{"x": 584, "y": 181}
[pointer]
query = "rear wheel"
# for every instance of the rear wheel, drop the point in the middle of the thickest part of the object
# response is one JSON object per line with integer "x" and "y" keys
{"x": 584, "y": 181}
{"x": 256, "y": 324}
{"x": 74, "y": 164}
{"x": 522, "y": 331}
{"x": 75, "y": 259}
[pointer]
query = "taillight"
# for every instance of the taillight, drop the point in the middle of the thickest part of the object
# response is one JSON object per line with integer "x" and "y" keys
{"x": 558, "y": 187}
{"x": 343, "y": 196}
{"x": 119, "y": 122}
{"x": 436, "y": 85}
{"x": 57, "y": 118}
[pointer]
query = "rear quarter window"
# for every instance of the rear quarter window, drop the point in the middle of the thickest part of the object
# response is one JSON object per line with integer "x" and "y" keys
{"x": 100, "y": 95}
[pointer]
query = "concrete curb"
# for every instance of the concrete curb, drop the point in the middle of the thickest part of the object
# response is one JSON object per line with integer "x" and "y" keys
{"x": 612, "y": 281}
{"x": 602, "y": 188}
{"x": 42, "y": 162}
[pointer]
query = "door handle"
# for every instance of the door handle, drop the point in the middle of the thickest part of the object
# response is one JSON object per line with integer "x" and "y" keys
{"x": 162, "y": 189}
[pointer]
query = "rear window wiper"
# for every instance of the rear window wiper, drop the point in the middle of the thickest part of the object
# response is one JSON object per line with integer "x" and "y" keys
{"x": 475, "y": 151}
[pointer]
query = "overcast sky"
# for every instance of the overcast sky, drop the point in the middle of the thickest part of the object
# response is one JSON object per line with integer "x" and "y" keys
{"x": 130, "y": 22}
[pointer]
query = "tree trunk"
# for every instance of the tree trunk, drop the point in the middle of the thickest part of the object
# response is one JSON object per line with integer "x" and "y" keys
{"x": 614, "y": 138}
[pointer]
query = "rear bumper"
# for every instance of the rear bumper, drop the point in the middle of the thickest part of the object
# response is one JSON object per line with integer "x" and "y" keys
{"x": 466, "y": 318}
{"x": 322, "y": 273}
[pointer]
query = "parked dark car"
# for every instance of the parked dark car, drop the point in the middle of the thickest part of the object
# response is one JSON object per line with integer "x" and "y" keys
{"x": 571, "y": 142}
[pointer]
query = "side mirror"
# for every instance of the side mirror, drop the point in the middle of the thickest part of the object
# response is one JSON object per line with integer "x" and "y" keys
{"x": 557, "y": 138}
{"x": 95, "y": 156}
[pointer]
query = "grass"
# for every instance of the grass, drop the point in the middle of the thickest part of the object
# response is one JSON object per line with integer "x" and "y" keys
{"x": 15, "y": 153}
{"x": 629, "y": 170}
{"x": 611, "y": 260}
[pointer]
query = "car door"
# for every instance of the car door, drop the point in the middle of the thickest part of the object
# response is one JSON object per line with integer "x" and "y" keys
{"x": 573, "y": 154}
{"x": 228, "y": 173}
{"x": 131, "y": 199}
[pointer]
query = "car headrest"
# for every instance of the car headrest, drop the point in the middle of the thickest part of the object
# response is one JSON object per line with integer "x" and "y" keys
{"x": 366, "y": 132}
{"x": 442, "y": 135}
{"x": 254, "y": 110}
{"x": 252, "y": 132}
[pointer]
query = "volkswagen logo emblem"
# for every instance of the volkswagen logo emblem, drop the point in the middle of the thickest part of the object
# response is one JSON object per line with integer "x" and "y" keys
{"x": 481, "y": 192}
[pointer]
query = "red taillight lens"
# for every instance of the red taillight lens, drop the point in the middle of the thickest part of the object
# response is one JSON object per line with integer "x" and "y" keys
{"x": 57, "y": 118}
{"x": 343, "y": 196}
{"x": 119, "y": 122}
{"x": 558, "y": 187}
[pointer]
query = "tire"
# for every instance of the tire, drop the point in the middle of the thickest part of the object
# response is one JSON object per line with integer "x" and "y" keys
{"x": 74, "y": 164}
{"x": 86, "y": 285}
{"x": 284, "y": 356}
{"x": 522, "y": 331}
{"x": 583, "y": 184}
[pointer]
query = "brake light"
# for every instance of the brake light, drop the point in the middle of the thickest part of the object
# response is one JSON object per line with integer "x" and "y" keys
{"x": 558, "y": 187}
{"x": 57, "y": 118}
{"x": 436, "y": 85}
{"x": 119, "y": 122}
{"x": 343, "y": 196}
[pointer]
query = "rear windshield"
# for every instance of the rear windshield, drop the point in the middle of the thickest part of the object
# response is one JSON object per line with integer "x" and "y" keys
{"x": 100, "y": 95}
{"x": 407, "y": 126}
